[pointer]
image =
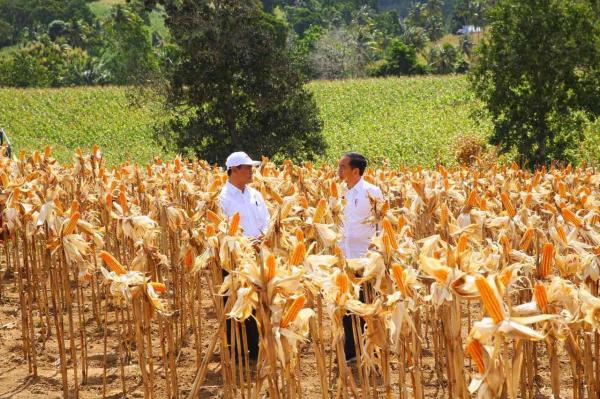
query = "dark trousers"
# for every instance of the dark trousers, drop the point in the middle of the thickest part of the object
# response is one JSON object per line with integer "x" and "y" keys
{"x": 349, "y": 343}
{"x": 252, "y": 335}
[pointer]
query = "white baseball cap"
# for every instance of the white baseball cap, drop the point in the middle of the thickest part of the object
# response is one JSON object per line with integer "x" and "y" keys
{"x": 240, "y": 158}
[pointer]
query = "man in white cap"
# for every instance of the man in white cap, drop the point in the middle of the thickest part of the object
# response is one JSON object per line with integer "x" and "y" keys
{"x": 357, "y": 234}
{"x": 237, "y": 197}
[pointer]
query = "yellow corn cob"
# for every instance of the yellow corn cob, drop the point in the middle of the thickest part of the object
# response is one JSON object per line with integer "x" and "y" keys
{"x": 299, "y": 235}
{"x": 450, "y": 258}
{"x": 505, "y": 276}
{"x": 444, "y": 215}
{"x": 234, "y": 224}
{"x": 341, "y": 281}
{"x": 303, "y": 201}
{"x": 398, "y": 274}
{"x": 213, "y": 217}
{"x": 560, "y": 230}
{"x": 463, "y": 242}
{"x": 333, "y": 190}
{"x": 271, "y": 266}
{"x": 320, "y": 211}
{"x": 123, "y": 200}
{"x": 490, "y": 300}
{"x": 546, "y": 261}
{"x": 549, "y": 208}
{"x": 507, "y": 204}
{"x": 472, "y": 200}
{"x": 388, "y": 243}
{"x": 527, "y": 239}
{"x": 441, "y": 274}
{"x": 70, "y": 227}
{"x": 536, "y": 179}
{"x": 58, "y": 205}
{"x": 475, "y": 350}
{"x": 159, "y": 288}
{"x": 292, "y": 312}
{"x": 188, "y": 259}
{"x": 112, "y": 263}
{"x": 74, "y": 206}
{"x": 36, "y": 156}
{"x": 506, "y": 244}
{"x": 210, "y": 230}
{"x": 298, "y": 254}
{"x": 47, "y": 151}
{"x": 541, "y": 297}
{"x": 443, "y": 171}
{"x": 276, "y": 196}
{"x": 388, "y": 228}
{"x": 570, "y": 217}
{"x": 5, "y": 180}
{"x": 419, "y": 188}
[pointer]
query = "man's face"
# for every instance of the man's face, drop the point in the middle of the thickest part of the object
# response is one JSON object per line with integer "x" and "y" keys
{"x": 243, "y": 173}
{"x": 345, "y": 172}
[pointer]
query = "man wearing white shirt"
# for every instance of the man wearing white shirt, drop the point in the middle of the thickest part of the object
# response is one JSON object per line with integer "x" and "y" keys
{"x": 356, "y": 233}
{"x": 237, "y": 197}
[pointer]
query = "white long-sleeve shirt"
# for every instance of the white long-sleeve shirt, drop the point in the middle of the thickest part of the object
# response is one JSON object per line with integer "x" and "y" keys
{"x": 357, "y": 235}
{"x": 254, "y": 216}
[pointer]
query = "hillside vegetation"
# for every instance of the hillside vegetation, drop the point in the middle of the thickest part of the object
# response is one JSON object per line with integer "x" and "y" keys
{"x": 412, "y": 121}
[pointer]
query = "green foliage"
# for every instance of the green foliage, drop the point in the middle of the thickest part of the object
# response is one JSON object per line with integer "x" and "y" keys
{"x": 6, "y": 33}
{"x": 45, "y": 64}
{"x": 539, "y": 76}
{"x": 400, "y": 60}
{"x": 80, "y": 117}
{"x": 443, "y": 59}
{"x": 236, "y": 77}
{"x": 28, "y": 14}
{"x": 128, "y": 52}
{"x": 413, "y": 121}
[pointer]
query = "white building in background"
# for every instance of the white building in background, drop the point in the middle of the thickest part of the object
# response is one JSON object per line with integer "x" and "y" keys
{"x": 468, "y": 29}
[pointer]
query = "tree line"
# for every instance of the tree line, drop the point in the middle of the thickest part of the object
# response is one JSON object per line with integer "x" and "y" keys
{"x": 55, "y": 43}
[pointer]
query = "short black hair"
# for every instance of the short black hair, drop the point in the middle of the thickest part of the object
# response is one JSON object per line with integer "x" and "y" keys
{"x": 357, "y": 161}
{"x": 228, "y": 171}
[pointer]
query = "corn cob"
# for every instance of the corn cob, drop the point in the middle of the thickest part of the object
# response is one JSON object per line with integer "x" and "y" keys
{"x": 112, "y": 263}
{"x": 489, "y": 298}
{"x": 292, "y": 312}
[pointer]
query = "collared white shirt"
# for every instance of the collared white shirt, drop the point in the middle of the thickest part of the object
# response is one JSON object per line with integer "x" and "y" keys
{"x": 254, "y": 216}
{"x": 357, "y": 235}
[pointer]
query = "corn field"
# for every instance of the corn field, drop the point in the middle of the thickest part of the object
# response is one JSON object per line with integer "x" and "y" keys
{"x": 482, "y": 281}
